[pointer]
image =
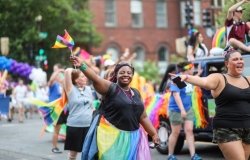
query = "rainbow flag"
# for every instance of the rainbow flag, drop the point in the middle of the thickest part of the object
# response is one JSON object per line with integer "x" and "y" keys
{"x": 65, "y": 41}
{"x": 52, "y": 110}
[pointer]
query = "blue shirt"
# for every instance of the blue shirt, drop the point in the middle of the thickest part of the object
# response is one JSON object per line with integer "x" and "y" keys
{"x": 185, "y": 94}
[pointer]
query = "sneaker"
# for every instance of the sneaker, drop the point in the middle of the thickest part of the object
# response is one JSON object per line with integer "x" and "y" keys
{"x": 171, "y": 157}
{"x": 56, "y": 150}
{"x": 196, "y": 157}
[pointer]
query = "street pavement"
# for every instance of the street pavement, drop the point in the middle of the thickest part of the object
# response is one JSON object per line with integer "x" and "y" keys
{"x": 23, "y": 141}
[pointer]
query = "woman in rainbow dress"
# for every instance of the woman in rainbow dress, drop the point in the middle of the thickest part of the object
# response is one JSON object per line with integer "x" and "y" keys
{"x": 118, "y": 134}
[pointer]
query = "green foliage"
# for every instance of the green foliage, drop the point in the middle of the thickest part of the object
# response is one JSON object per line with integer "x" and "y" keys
{"x": 19, "y": 22}
{"x": 220, "y": 19}
{"x": 150, "y": 72}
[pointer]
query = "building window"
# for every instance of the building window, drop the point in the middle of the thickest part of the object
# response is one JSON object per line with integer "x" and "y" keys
{"x": 161, "y": 14}
{"x": 110, "y": 13}
{"x": 197, "y": 12}
{"x": 182, "y": 10}
{"x": 218, "y": 3}
{"x": 114, "y": 52}
{"x": 140, "y": 53}
{"x": 136, "y": 13}
{"x": 162, "y": 59}
{"x": 162, "y": 54}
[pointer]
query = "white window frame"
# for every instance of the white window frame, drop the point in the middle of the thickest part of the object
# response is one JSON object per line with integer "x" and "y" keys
{"x": 216, "y": 4}
{"x": 136, "y": 10}
{"x": 197, "y": 13}
{"x": 182, "y": 10}
{"x": 110, "y": 12}
{"x": 161, "y": 15}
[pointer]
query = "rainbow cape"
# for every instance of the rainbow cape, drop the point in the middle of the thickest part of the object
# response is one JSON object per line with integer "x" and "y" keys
{"x": 52, "y": 110}
{"x": 198, "y": 108}
{"x": 157, "y": 106}
{"x": 65, "y": 41}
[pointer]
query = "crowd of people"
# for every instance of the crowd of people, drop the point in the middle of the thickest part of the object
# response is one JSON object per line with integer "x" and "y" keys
{"x": 122, "y": 126}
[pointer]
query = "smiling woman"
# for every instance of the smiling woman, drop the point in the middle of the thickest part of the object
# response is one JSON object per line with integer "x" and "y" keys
{"x": 231, "y": 92}
{"x": 122, "y": 115}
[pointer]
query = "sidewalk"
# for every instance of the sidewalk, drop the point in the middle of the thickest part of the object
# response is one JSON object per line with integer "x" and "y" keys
{"x": 22, "y": 141}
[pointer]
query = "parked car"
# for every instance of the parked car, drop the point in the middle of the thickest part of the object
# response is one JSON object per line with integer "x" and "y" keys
{"x": 209, "y": 65}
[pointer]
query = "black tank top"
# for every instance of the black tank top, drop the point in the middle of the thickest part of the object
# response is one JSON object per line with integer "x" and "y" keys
{"x": 232, "y": 107}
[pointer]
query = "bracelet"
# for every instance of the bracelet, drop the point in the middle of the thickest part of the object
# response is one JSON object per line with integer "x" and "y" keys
{"x": 186, "y": 78}
{"x": 83, "y": 67}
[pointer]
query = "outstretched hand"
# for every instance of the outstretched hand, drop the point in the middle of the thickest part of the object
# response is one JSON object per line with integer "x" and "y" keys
{"x": 76, "y": 61}
{"x": 183, "y": 77}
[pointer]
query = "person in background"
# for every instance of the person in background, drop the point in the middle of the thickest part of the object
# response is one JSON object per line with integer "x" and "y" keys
{"x": 55, "y": 92}
{"x": 80, "y": 98}
{"x": 236, "y": 29}
{"x": 123, "y": 113}
{"x": 181, "y": 112}
{"x": 196, "y": 48}
{"x": 19, "y": 95}
{"x": 231, "y": 91}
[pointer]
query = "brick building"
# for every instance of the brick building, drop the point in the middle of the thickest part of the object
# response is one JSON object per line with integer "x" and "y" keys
{"x": 147, "y": 27}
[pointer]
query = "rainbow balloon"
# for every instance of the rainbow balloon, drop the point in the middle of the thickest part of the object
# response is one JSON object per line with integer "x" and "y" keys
{"x": 219, "y": 37}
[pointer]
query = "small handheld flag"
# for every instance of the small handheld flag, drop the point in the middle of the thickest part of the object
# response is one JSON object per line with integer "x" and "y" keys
{"x": 65, "y": 41}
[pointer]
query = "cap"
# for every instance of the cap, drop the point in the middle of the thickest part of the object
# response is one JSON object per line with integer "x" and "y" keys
{"x": 109, "y": 62}
{"x": 240, "y": 9}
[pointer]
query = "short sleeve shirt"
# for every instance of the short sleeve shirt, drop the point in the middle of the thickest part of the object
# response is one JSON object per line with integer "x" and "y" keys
{"x": 236, "y": 30}
{"x": 185, "y": 94}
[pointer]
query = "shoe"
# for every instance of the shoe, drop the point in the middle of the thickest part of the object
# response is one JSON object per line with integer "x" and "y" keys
{"x": 171, "y": 157}
{"x": 196, "y": 157}
{"x": 56, "y": 150}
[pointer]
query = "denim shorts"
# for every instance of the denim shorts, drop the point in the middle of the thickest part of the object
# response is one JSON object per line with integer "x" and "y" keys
{"x": 176, "y": 119}
{"x": 223, "y": 135}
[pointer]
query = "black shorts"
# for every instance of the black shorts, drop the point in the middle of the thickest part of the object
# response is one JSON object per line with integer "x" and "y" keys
{"x": 62, "y": 118}
{"x": 74, "y": 138}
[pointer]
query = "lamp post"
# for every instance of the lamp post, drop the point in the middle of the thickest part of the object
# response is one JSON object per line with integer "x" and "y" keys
{"x": 38, "y": 20}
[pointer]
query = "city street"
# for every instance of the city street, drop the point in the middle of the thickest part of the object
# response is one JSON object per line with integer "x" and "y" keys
{"x": 22, "y": 141}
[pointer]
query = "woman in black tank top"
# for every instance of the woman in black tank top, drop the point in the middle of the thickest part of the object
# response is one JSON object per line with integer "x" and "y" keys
{"x": 231, "y": 91}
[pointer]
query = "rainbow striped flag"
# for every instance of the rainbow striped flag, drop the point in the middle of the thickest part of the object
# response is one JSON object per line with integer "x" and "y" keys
{"x": 52, "y": 110}
{"x": 65, "y": 41}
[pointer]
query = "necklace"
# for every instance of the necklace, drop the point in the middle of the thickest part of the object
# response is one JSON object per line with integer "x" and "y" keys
{"x": 234, "y": 76}
{"x": 124, "y": 91}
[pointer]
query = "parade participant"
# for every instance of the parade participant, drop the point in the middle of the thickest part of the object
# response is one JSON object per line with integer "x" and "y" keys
{"x": 19, "y": 94}
{"x": 181, "y": 112}
{"x": 123, "y": 113}
{"x": 231, "y": 91}
{"x": 55, "y": 92}
{"x": 80, "y": 110}
{"x": 236, "y": 29}
{"x": 196, "y": 48}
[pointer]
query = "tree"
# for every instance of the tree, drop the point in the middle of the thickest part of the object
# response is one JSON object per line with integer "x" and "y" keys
{"x": 20, "y": 22}
{"x": 220, "y": 19}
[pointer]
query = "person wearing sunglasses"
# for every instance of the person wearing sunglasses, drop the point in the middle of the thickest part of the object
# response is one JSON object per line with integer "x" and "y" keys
{"x": 236, "y": 29}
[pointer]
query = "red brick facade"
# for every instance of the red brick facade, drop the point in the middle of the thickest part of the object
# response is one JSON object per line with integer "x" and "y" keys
{"x": 149, "y": 36}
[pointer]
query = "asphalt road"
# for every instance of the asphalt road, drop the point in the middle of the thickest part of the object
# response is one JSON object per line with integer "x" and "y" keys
{"x": 23, "y": 141}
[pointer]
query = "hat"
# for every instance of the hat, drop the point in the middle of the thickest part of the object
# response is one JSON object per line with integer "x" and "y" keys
{"x": 109, "y": 62}
{"x": 240, "y": 9}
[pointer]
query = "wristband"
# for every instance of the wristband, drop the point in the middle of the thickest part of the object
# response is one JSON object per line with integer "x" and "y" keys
{"x": 83, "y": 67}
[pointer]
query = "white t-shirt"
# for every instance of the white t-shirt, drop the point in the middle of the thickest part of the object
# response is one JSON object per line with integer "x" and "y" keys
{"x": 20, "y": 93}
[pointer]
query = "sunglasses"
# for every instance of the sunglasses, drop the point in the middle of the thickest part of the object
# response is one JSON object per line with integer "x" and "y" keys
{"x": 241, "y": 11}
